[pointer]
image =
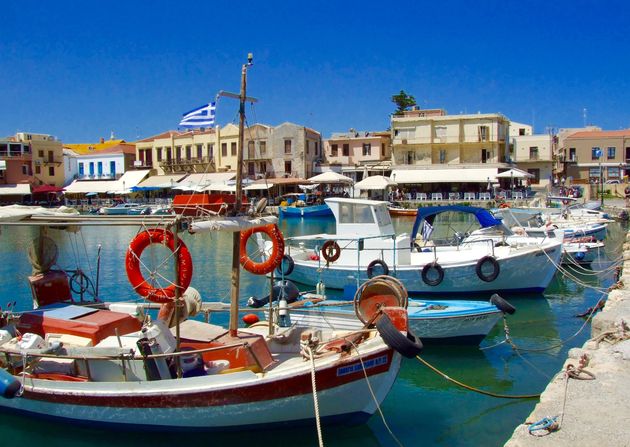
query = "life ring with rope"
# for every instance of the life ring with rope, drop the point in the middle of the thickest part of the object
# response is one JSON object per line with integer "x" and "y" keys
{"x": 277, "y": 251}
{"x": 132, "y": 265}
{"x": 331, "y": 251}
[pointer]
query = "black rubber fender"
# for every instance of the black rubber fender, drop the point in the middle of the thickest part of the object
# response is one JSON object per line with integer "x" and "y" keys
{"x": 408, "y": 346}
{"x": 290, "y": 265}
{"x": 370, "y": 267}
{"x": 496, "y": 269}
{"x": 425, "y": 274}
{"x": 286, "y": 289}
{"x": 502, "y": 304}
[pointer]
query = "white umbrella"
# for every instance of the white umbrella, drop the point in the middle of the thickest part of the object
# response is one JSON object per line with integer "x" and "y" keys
{"x": 375, "y": 182}
{"x": 514, "y": 173}
{"x": 331, "y": 177}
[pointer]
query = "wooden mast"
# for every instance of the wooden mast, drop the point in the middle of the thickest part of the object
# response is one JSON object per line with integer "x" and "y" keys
{"x": 236, "y": 236}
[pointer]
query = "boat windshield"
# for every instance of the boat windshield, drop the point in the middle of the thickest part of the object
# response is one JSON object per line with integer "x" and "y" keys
{"x": 353, "y": 213}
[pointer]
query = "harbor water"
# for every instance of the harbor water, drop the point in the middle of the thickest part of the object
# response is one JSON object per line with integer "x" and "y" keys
{"x": 422, "y": 407}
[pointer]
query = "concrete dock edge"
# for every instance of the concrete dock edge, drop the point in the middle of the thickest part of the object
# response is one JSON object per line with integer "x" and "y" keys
{"x": 596, "y": 412}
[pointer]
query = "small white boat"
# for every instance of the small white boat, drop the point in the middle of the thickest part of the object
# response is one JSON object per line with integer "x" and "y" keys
{"x": 123, "y": 209}
{"x": 365, "y": 243}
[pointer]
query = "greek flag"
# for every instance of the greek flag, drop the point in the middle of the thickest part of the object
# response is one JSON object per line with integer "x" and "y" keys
{"x": 427, "y": 229}
{"x": 200, "y": 117}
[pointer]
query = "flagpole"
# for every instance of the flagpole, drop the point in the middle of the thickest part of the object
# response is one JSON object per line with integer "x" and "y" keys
{"x": 238, "y": 202}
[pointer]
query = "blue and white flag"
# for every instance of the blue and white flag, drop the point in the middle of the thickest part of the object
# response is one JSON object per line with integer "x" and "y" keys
{"x": 427, "y": 229}
{"x": 200, "y": 117}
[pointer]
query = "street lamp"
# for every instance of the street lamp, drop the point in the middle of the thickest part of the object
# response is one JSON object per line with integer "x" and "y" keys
{"x": 598, "y": 153}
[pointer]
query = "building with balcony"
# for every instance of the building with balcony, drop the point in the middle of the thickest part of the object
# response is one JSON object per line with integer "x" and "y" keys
{"x": 356, "y": 153}
{"x": 534, "y": 154}
{"x": 593, "y": 153}
{"x": 109, "y": 163}
{"x": 430, "y": 146}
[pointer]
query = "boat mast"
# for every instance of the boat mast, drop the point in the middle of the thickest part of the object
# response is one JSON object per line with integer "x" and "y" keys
{"x": 236, "y": 236}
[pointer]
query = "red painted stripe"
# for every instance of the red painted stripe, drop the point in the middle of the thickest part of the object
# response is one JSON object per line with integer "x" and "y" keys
{"x": 277, "y": 389}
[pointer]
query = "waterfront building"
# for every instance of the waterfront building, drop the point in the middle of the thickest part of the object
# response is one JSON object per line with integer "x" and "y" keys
{"x": 108, "y": 163}
{"x": 357, "y": 154}
{"x": 448, "y": 151}
{"x": 287, "y": 150}
{"x": 581, "y": 150}
{"x": 534, "y": 154}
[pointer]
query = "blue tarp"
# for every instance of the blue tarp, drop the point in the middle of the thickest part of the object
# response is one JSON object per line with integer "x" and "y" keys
{"x": 484, "y": 217}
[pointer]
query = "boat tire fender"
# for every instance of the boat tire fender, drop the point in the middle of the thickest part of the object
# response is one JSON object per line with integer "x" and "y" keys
{"x": 406, "y": 345}
{"x": 132, "y": 263}
{"x": 277, "y": 251}
{"x": 438, "y": 270}
{"x": 373, "y": 264}
{"x": 331, "y": 251}
{"x": 502, "y": 304}
{"x": 286, "y": 266}
{"x": 496, "y": 269}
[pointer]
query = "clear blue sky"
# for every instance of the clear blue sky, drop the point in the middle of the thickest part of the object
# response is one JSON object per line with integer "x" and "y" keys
{"x": 81, "y": 69}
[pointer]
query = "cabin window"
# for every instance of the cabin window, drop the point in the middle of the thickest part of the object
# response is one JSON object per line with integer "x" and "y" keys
{"x": 352, "y": 213}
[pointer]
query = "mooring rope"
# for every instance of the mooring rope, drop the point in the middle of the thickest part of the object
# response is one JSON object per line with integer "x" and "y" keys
{"x": 309, "y": 353}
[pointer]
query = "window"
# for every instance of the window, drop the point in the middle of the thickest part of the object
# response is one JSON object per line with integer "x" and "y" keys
{"x": 367, "y": 149}
{"x": 316, "y": 148}
{"x": 263, "y": 167}
{"x": 200, "y": 151}
{"x": 263, "y": 147}
{"x": 572, "y": 155}
{"x": 51, "y": 171}
{"x": 92, "y": 168}
{"x": 613, "y": 173}
{"x": 484, "y": 133}
{"x": 38, "y": 169}
{"x": 27, "y": 149}
{"x": 169, "y": 157}
{"x": 596, "y": 153}
{"x": 251, "y": 168}
{"x": 334, "y": 150}
{"x": 159, "y": 153}
{"x": 51, "y": 157}
{"x": 521, "y": 131}
{"x": 40, "y": 154}
{"x": 25, "y": 169}
{"x": 224, "y": 149}
{"x": 100, "y": 168}
{"x": 536, "y": 176}
{"x": 178, "y": 153}
{"x": 287, "y": 167}
{"x": 346, "y": 150}
{"x": 610, "y": 152}
{"x": 440, "y": 131}
{"x": 287, "y": 146}
{"x": 533, "y": 152}
{"x": 251, "y": 149}
{"x": 308, "y": 145}
{"x": 442, "y": 156}
{"x": 233, "y": 149}
{"x": 406, "y": 133}
{"x": 355, "y": 214}
{"x": 211, "y": 151}
{"x": 112, "y": 168}
{"x": 410, "y": 157}
{"x": 188, "y": 152}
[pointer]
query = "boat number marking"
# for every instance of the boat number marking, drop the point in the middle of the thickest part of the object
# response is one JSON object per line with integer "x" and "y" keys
{"x": 355, "y": 367}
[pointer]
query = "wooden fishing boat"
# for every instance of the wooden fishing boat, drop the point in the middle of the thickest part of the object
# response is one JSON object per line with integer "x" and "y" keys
{"x": 396, "y": 211}
{"x": 112, "y": 365}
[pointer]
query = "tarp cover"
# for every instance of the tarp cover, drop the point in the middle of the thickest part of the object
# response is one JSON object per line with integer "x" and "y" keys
{"x": 484, "y": 217}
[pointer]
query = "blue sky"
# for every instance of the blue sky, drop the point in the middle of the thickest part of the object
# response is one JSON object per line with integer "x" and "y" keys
{"x": 81, "y": 69}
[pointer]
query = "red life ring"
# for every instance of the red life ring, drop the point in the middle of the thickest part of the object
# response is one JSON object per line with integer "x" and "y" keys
{"x": 504, "y": 205}
{"x": 273, "y": 261}
{"x": 331, "y": 251}
{"x": 132, "y": 262}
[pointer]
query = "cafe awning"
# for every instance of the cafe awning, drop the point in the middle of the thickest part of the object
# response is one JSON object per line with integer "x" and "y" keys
{"x": 454, "y": 175}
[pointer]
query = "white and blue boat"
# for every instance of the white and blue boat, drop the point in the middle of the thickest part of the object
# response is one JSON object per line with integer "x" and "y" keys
{"x": 303, "y": 205}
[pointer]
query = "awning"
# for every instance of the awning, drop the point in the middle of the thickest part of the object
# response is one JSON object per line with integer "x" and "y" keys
{"x": 456, "y": 175}
{"x": 46, "y": 189}
{"x": 21, "y": 189}
{"x": 160, "y": 181}
{"x": 124, "y": 183}
{"x": 197, "y": 182}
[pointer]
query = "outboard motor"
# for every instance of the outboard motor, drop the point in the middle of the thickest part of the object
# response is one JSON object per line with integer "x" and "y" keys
{"x": 286, "y": 290}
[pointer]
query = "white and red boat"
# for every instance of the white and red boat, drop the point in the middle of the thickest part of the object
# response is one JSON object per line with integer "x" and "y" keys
{"x": 113, "y": 365}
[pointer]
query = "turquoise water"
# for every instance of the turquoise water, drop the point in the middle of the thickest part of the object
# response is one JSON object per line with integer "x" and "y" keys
{"x": 422, "y": 408}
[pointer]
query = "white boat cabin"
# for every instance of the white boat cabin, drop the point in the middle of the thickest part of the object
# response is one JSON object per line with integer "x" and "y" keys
{"x": 360, "y": 217}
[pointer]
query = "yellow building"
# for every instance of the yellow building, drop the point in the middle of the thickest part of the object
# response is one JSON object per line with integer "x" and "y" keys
{"x": 47, "y": 158}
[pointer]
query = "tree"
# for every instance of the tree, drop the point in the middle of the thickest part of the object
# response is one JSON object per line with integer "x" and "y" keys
{"x": 403, "y": 101}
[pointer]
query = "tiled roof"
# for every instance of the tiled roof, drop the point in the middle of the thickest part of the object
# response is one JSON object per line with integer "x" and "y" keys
{"x": 86, "y": 148}
{"x": 601, "y": 134}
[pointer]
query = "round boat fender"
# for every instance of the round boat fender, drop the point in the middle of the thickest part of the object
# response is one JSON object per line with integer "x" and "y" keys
{"x": 579, "y": 256}
{"x": 277, "y": 251}
{"x": 428, "y": 269}
{"x": 408, "y": 345}
{"x": 496, "y": 269}
{"x": 331, "y": 251}
{"x": 132, "y": 264}
{"x": 250, "y": 319}
{"x": 286, "y": 266}
{"x": 373, "y": 264}
{"x": 502, "y": 304}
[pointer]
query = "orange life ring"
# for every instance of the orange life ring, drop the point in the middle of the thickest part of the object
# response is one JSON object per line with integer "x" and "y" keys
{"x": 331, "y": 251}
{"x": 504, "y": 205}
{"x": 132, "y": 262}
{"x": 273, "y": 261}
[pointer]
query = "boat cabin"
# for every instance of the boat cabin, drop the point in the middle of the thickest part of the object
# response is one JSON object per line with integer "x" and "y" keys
{"x": 359, "y": 217}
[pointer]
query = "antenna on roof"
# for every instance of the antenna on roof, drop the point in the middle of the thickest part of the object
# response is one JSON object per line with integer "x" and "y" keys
{"x": 584, "y": 116}
{"x": 111, "y": 135}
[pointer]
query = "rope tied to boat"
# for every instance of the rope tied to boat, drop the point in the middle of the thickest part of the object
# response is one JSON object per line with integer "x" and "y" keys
{"x": 576, "y": 372}
{"x": 307, "y": 352}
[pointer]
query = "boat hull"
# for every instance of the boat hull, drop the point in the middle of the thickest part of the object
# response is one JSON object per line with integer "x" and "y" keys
{"x": 528, "y": 272}
{"x": 214, "y": 402}
{"x": 305, "y": 211}
{"x": 461, "y": 323}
